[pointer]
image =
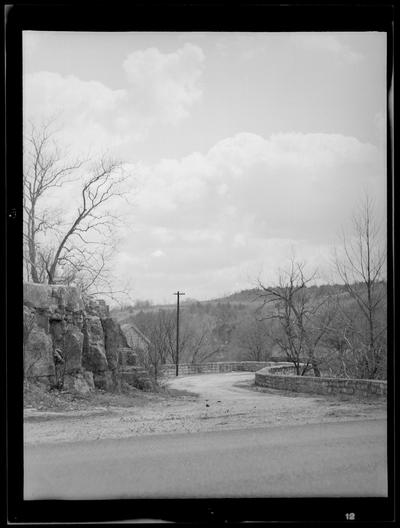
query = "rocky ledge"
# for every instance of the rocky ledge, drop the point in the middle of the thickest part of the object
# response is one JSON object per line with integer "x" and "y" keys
{"x": 71, "y": 342}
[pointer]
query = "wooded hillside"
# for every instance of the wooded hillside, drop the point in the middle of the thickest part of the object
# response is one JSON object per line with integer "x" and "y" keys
{"x": 242, "y": 326}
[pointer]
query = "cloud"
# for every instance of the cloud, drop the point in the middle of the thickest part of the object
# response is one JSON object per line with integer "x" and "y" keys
{"x": 87, "y": 113}
{"x": 165, "y": 83}
{"x": 267, "y": 182}
{"x": 161, "y": 88}
{"x": 158, "y": 253}
{"x": 248, "y": 203}
{"x": 325, "y": 42}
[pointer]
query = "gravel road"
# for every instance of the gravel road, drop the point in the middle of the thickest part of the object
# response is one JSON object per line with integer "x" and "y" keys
{"x": 219, "y": 402}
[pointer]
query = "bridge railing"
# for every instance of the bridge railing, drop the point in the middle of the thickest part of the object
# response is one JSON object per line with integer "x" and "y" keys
{"x": 169, "y": 370}
{"x": 283, "y": 377}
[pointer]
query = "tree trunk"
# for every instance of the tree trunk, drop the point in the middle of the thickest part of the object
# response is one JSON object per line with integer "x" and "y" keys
{"x": 315, "y": 367}
{"x": 32, "y": 247}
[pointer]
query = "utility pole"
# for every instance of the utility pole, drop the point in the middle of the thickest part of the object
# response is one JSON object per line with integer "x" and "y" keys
{"x": 178, "y": 294}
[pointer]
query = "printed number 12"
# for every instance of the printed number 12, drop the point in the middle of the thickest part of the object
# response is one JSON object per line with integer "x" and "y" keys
{"x": 350, "y": 516}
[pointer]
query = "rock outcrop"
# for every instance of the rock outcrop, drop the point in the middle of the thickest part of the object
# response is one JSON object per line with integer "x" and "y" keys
{"x": 72, "y": 342}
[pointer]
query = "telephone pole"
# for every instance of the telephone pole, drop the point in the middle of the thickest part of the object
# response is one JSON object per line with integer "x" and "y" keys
{"x": 178, "y": 294}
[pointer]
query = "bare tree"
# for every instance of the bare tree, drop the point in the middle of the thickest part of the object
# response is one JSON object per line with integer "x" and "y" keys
{"x": 196, "y": 344}
{"x": 77, "y": 246}
{"x": 201, "y": 350}
{"x": 254, "y": 339}
{"x": 362, "y": 269}
{"x": 158, "y": 327}
{"x": 44, "y": 169}
{"x": 90, "y": 217}
{"x": 298, "y": 320}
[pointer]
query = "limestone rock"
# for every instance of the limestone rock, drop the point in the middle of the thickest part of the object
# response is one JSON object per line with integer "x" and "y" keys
{"x": 127, "y": 357}
{"x": 73, "y": 342}
{"x": 38, "y": 354}
{"x": 88, "y": 378}
{"x": 96, "y": 307}
{"x": 94, "y": 354}
{"x": 73, "y": 345}
{"x": 53, "y": 297}
{"x": 104, "y": 380}
{"x": 137, "y": 377}
{"x": 114, "y": 339}
{"x": 94, "y": 358}
{"x": 77, "y": 383}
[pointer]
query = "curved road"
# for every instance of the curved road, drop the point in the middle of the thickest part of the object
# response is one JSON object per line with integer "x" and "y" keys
{"x": 329, "y": 459}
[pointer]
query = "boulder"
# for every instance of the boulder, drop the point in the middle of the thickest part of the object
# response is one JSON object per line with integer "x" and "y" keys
{"x": 137, "y": 377}
{"x": 104, "y": 380}
{"x": 53, "y": 297}
{"x": 73, "y": 345}
{"x": 88, "y": 378}
{"x": 94, "y": 354}
{"x": 96, "y": 307}
{"x": 114, "y": 339}
{"x": 94, "y": 358}
{"x": 73, "y": 342}
{"x": 77, "y": 383}
{"x": 127, "y": 357}
{"x": 38, "y": 354}
{"x": 38, "y": 295}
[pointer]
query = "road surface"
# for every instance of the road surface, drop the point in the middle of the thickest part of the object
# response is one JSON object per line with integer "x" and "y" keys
{"x": 329, "y": 459}
{"x": 224, "y": 402}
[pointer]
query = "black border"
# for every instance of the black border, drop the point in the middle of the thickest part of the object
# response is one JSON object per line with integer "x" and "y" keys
{"x": 173, "y": 16}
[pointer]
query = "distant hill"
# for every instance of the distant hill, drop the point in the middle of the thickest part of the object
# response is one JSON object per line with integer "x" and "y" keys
{"x": 225, "y": 328}
{"x": 251, "y": 298}
{"x": 244, "y": 296}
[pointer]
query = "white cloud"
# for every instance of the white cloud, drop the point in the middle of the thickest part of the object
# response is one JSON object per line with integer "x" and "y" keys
{"x": 87, "y": 113}
{"x": 161, "y": 89}
{"x": 165, "y": 83}
{"x": 158, "y": 253}
{"x": 249, "y": 203}
{"x": 261, "y": 180}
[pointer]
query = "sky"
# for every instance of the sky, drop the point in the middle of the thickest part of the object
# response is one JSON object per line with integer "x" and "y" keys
{"x": 241, "y": 150}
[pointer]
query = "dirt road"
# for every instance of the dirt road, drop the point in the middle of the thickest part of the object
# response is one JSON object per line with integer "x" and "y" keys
{"x": 221, "y": 402}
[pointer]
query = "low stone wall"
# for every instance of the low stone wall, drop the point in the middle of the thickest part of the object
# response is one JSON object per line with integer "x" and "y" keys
{"x": 283, "y": 377}
{"x": 169, "y": 370}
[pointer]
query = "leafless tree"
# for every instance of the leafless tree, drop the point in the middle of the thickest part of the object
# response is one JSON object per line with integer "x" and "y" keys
{"x": 44, "y": 169}
{"x": 299, "y": 323}
{"x": 254, "y": 339}
{"x": 201, "y": 351}
{"x": 157, "y": 328}
{"x": 196, "y": 343}
{"x": 362, "y": 270}
{"x": 73, "y": 247}
{"x": 160, "y": 327}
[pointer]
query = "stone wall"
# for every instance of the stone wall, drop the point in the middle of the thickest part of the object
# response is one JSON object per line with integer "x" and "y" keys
{"x": 169, "y": 370}
{"x": 71, "y": 341}
{"x": 283, "y": 377}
